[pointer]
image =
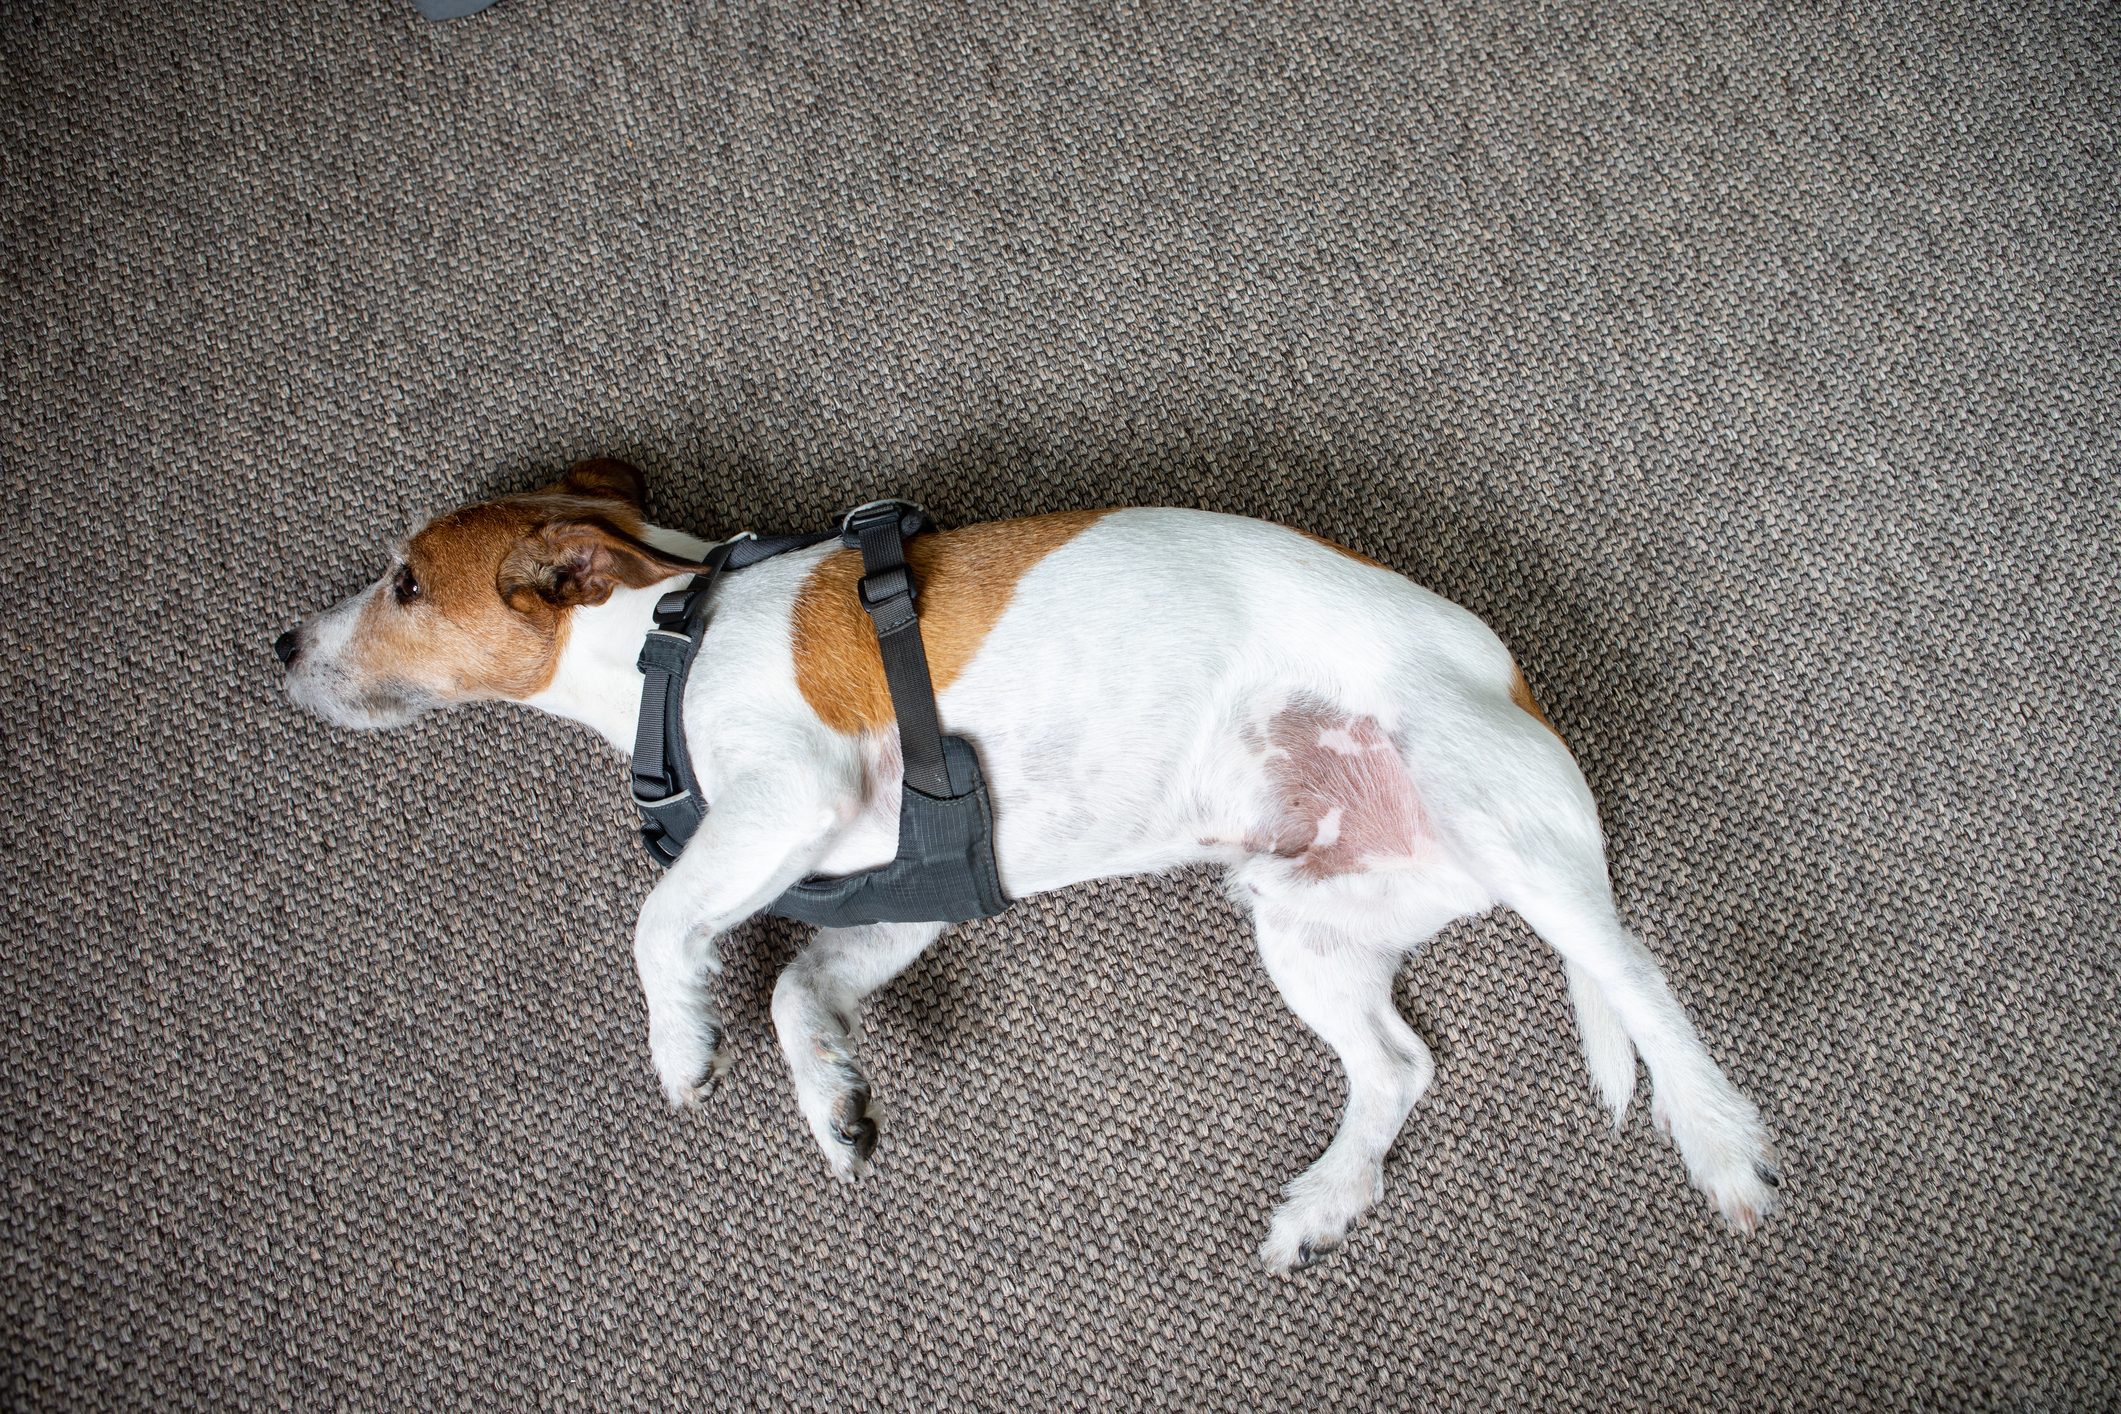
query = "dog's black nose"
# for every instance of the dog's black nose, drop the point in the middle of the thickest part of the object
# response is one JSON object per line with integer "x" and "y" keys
{"x": 287, "y": 646}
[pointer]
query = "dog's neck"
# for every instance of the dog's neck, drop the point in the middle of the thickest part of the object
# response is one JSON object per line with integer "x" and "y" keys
{"x": 598, "y": 680}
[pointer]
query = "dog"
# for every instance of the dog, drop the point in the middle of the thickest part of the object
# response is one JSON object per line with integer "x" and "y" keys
{"x": 1147, "y": 689}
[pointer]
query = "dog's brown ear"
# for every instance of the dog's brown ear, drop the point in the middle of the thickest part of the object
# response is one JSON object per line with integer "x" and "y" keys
{"x": 570, "y": 562}
{"x": 607, "y": 477}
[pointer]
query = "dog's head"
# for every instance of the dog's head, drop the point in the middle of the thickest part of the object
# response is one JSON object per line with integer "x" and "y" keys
{"x": 475, "y": 604}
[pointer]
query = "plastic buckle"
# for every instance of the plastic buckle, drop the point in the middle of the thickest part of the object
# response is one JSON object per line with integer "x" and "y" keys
{"x": 867, "y": 512}
{"x": 872, "y": 511}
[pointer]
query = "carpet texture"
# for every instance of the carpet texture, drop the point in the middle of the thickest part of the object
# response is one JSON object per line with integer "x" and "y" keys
{"x": 1752, "y": 370}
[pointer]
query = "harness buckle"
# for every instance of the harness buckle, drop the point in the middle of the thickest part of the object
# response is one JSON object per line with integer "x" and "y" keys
{"x": 869, "y": 512}
{"x": 886, "y": 590}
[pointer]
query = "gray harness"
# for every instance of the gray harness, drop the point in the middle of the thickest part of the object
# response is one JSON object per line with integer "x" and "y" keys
{"x": 944, "y": 870}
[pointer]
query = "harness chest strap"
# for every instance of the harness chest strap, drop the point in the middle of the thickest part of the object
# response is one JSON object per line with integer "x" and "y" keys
{"x": 663, "y": 782}
{"x": 944, "y": 870}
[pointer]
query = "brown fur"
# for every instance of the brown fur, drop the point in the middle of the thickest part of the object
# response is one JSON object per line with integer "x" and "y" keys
{"x": 1356, "y": 555}
{"x": 1521, "y": 694}
{"x": 966, "y": 578}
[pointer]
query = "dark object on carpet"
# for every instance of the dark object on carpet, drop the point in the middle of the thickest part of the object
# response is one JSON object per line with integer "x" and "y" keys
{"x": 1753, "y": 371}
{"x": 451, "y": 9}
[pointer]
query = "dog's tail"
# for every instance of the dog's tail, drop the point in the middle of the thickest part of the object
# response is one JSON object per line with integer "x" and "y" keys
{"x": 1606, "y": 1048}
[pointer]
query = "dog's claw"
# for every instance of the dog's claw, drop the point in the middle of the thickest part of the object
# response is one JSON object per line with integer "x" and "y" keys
{"x": 853, "y": 1126}
{"x": 1310, "y": 1254}
{"x": 862, "y": 1138}
{"x": 1770, "y": 1175}
{"x": 717, "y": 1063}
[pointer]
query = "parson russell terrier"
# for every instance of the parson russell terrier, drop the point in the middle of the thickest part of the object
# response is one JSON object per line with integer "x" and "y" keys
{"x": 1146, "y": 689}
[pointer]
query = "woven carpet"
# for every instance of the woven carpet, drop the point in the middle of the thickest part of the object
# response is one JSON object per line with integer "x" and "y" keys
{"x": 1752, "y": 369}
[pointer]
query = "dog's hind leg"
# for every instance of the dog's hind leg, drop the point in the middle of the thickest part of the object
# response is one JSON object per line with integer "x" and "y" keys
{"x": 1341, "y": 987}
{"x": 1717, "y": 1129}
{"x": 817, "y": 1007}
{"x": 1524, "y": 825}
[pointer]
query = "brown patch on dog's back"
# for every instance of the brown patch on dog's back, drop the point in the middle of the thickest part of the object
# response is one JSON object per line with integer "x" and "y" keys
{"x": 965, "y": 579}
{"x": 1521, "y": 694}
{"x": 1356, "y": 555}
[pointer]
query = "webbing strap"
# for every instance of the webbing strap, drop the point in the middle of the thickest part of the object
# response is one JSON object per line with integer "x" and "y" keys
{"x": 662, "y": 772}
{"x": 748, "y": 549}
{"x": 879, "y": 530}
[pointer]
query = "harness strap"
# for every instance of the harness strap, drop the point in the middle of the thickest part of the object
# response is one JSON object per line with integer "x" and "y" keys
{"x": 879, "y": 530}
{"x": 748, "y": 549}
{"x": 944, "y": 870}
{"x": 662, "y": 773}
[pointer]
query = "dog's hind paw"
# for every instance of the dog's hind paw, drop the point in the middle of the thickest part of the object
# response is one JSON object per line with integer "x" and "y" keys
{"x": 1313, "y": 1221}
{"x": 1746, "y": 1195}
{"x": 1729, "y": 1158}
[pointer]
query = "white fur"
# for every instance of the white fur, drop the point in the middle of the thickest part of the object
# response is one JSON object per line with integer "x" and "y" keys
{"x": 598, "y": 680}
{"x": 1119, "y": 707}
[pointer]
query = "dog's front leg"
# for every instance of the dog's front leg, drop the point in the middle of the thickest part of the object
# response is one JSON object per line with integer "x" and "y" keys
{"x": 817, "y": 1009}
{"x": 760, "y": 837}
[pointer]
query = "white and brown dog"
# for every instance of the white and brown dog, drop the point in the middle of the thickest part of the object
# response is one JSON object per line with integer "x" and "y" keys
{"x": 1147, "y": 689}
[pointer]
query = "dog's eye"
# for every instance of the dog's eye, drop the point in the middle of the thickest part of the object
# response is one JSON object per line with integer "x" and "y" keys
{"x": 406, "y": 587}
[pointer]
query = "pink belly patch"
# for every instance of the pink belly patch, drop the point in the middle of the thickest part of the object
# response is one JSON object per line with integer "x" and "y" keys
{"x": 1342, "y": 794}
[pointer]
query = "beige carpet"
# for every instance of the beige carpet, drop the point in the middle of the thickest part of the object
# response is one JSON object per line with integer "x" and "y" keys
{"x": 1752, "y": 370}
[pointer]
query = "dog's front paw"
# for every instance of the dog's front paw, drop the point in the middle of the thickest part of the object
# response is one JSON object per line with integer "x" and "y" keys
{"x": 839, "y": 1109}
{"x": 853, "y": 1132}
{"x": 689, "y": 1058}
